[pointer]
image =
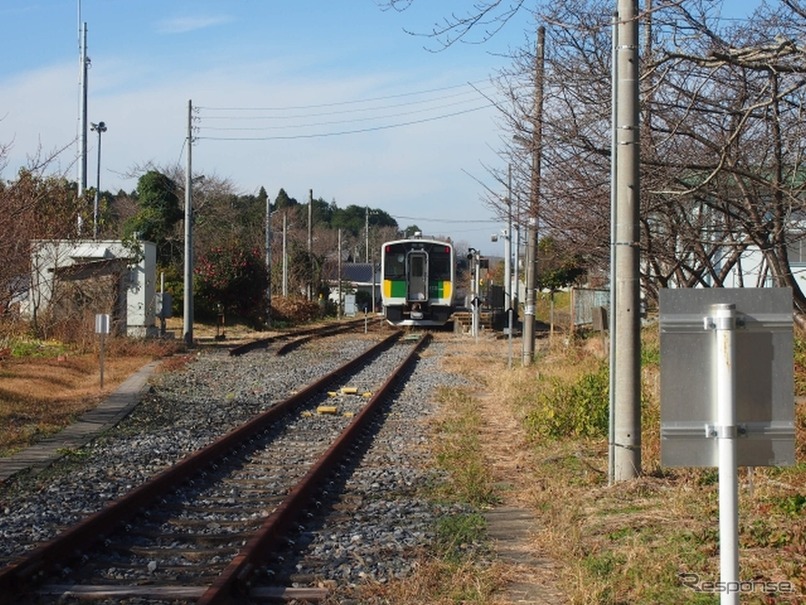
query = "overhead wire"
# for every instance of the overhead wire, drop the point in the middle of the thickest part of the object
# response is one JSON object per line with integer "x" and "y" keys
{"x": 475, "y": 94}
{"x": 363, "y": 118}
{"x": 350, "y": 102}
{"x": 379, "y": 114}
{"x": 442, "y": 220}
{"x": 342, "y": 132}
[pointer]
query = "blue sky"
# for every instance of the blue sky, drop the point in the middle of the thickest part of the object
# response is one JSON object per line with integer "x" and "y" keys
{"x": 306, "y": 67}
{"x": 269, "y": 78}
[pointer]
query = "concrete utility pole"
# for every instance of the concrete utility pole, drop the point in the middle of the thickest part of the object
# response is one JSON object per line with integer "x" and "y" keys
{"x": 268, "y": 261}
{"x": 534, "y": 205}
{"x": 285, "y": 253}
{"x": 366, "y": 235}
{"x": 188, "y": 293}
{"x": 82, "y": 126}
{"x": 611, "y": 316}
{"x": 508, "y": 284}
{"x": 516, "y": 276}
{"x": 340, "y": 298}
{"x": 100, "y": 128}
{"x": 310, "y": 244}
{"x": 626, "y": 307}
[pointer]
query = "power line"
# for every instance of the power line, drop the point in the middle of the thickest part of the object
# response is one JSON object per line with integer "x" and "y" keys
{"x": 332, "y": 122}
{"x": 264, "y": 120}
{"x": 346, "y": 132}
{"x": 472, "y": 94}
{"x": 442, "y": 220}
{"x": 341, "y": 103}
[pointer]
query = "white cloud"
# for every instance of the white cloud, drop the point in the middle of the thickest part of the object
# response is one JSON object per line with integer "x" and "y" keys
{"x": 181, "y": 25}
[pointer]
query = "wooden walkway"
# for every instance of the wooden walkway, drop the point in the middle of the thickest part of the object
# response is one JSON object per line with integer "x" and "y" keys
{"x": 509, "y": 528}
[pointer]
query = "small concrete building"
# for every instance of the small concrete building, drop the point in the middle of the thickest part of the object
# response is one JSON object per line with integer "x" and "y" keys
{"x": 99, "y": 277}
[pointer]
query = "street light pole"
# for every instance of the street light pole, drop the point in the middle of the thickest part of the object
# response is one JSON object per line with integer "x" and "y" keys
{"x": 100, "y": 128}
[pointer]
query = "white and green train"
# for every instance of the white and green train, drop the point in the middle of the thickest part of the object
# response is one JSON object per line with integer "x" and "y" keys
{"x": 418, "y": 282}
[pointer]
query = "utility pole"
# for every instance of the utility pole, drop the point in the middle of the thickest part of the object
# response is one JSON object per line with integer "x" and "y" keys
{"x": 285, "y": 253}
{"x": 626, "y": 307}
{"x": 534, "y": 205}
{"x": 366, "y": 235}
{"x": 508, "y": 298}
{"x": 188, "y": 293}
{"x": 508, "y": 280}
{"x": 310, "y": 244}
{"x": 82, "y": 113}
{"x": 268, "y": 261}
{"x": 516, "y": 278}
{"x": 611, "y": 316}
{"x": 100, "y": 128}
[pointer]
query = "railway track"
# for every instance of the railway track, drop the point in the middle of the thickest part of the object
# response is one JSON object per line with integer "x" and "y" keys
{"x": 197, "y": 531}
{"x": 294, "y": 339}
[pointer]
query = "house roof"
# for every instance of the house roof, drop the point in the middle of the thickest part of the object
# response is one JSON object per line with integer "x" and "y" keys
{"x": 357, "y": 273}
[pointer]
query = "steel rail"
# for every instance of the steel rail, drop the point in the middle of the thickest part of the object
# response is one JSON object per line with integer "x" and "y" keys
{"x": 231, "y": 587}
{"x": 262, "y": 343}
{"x": 18, "y": 577}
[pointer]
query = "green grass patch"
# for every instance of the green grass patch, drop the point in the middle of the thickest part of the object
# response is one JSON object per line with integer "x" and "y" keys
{"x": 793, "y": 505}
{"x": 800, "y": 366}
{"x": 460, "y": 536}
{"x": 458, "y": 451}
{"x": 37, "y": 348}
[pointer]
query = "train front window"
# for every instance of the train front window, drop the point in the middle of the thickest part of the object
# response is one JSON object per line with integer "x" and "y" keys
{"x": 394, "y": 264}
{"x": 440, "y": 263}
{"x": 417, "y": 266}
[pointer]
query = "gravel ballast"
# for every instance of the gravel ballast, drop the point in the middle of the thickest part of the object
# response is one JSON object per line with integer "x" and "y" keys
{"x": 371, "y": 532}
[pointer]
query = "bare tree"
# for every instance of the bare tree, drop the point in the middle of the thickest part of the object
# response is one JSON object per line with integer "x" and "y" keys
{"x": 726, "y": 143}
{"x": 476, "y": 25}
{"x": 722, "y": 133}
{"x": 722, "y": 139}
{"x": 33, "y": 207}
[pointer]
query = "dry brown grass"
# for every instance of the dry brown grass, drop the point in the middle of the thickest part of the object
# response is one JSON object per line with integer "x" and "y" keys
{"x": 629, "y": 542}
{"x": 53, "y": 383}
{"x": 41, "y": 395}
{"x": 437, "y": 582}
{"x": 625, "y": 543}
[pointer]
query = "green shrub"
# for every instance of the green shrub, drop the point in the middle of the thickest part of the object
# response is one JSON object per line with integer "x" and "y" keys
{"x": 37, "y": 348}
{"x": 576, "y": 409}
